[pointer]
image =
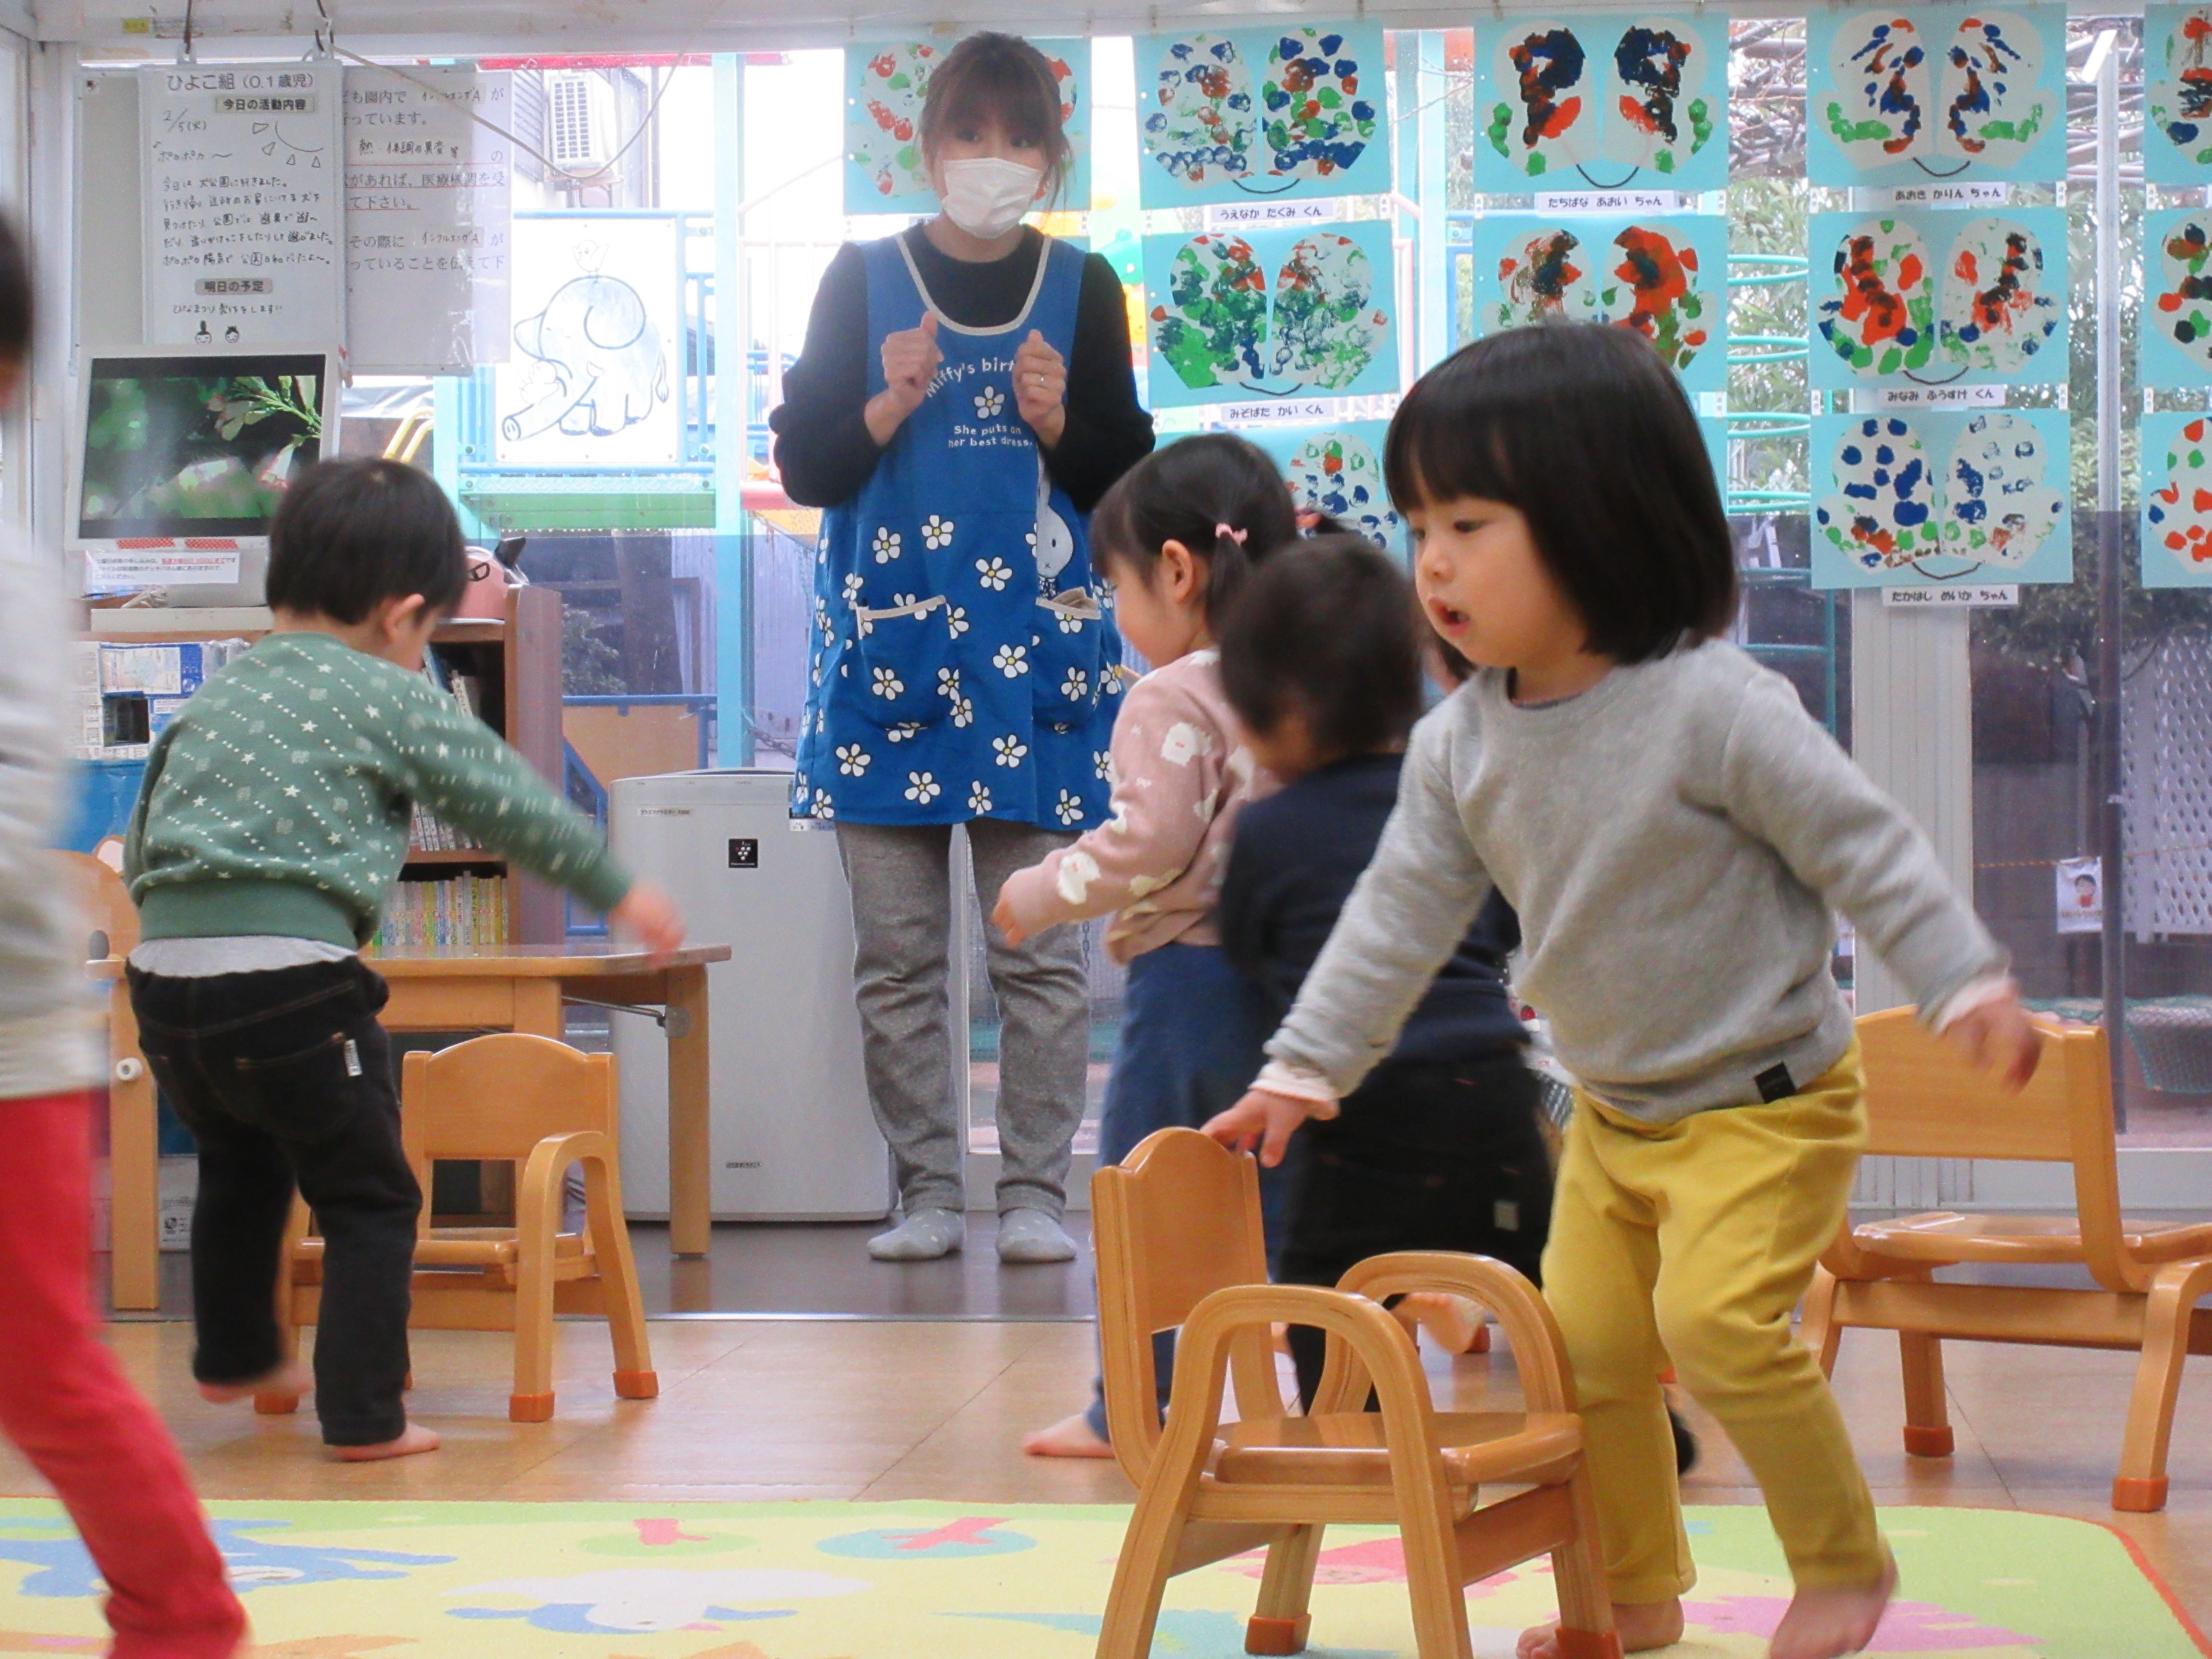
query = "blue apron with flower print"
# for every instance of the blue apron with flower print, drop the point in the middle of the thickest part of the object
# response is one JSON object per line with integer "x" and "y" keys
{"x": 963, "y": 663}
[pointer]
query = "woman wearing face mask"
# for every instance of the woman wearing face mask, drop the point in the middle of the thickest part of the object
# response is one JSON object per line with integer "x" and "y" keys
{"x": 964, "y": 397}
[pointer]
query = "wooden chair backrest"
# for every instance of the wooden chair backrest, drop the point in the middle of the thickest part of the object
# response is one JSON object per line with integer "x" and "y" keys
{"x": 494, "y": 1098}
{"x": 1178, "y": 1219}
{"x": 105, "y": 902}
{"x": 1924, "y": 1099}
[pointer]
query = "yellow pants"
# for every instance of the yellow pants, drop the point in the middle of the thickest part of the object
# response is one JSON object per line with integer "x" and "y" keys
{"x": 1692, "y": 1242}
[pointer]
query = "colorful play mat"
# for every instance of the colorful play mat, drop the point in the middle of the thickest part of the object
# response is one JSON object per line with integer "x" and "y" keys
{"x": 949, "y": 1581}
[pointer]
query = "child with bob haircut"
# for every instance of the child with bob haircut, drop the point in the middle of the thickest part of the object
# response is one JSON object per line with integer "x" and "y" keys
{"x": 1674, "y": 830}
{"x": 270, "y": 828}
{"x": 1178, "y": 538}
{"x": 1439, "y": 1148}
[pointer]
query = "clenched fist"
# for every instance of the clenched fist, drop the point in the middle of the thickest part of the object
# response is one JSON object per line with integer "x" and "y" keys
{"x": 911, "y": 359}
{"x": 1041, "y": 389}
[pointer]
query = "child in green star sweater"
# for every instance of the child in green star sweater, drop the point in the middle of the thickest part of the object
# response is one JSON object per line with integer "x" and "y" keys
{"x": 272, "y": 824}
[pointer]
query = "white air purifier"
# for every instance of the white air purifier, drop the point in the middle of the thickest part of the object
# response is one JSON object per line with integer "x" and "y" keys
{"x": 793, "y": 1136}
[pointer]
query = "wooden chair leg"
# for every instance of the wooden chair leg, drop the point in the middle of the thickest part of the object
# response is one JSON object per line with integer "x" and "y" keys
{"x": 1927, "y": 1420}
{"x": 2139, "y": 1487}
{"x": 1141, "y": 1573}
{"x": 1818, "y": 1330}
{"x": 634, "y": 1379}
{"x": 1586, "y": 1629}
{"x": 538, "y": 1219}
{"x": 1280, "y": 1622}
{"x": 273, "y": 1403}
{"x": 1433, "y": 1577}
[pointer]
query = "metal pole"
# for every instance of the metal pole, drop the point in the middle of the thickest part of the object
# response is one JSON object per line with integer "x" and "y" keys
{"x": 734, "y": 607}
{"x": 2110, "y": 590}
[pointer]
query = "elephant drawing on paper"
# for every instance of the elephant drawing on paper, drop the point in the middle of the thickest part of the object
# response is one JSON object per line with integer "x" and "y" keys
{"x": 601, "y": 365}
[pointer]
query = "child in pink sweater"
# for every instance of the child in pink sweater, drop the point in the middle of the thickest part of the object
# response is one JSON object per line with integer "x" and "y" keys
{"x": 1175, "y": 537}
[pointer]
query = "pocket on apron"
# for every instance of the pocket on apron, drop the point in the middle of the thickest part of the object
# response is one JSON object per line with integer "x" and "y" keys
{"x": 900, "y": 655}
{"x": 1068, "y": 654}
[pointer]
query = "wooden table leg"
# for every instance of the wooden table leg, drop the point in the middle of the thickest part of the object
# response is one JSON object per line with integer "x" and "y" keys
{"x": 134, "y": 1162}
{"x": 689, "y": 1166}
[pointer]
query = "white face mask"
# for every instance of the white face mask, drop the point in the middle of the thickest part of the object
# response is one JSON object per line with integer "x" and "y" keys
{"x": 985, "y": 195}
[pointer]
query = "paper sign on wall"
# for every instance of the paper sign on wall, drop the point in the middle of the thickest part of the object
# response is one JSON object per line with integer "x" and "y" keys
{"x": 427, "y": 197}
{"x": 1665, "y": 276}
{"x": 1900, "y": 500}
{"x": 1235, "y": 114}
{"x": 242, "y": 209}
{"x": 2177, "y": 141}
{"x": 2177, "y": 500}
{"x": 1932, "y": 296}
{"x": 1601, "y": 102}
{"x": 2081, "y": 895}
{"x": 884, "y": 87}
{"x": 1936, "y": 92}
{"x": 1279, "y": 314}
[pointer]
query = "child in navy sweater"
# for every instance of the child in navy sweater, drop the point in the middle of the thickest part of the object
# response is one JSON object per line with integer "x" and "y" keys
{"x": 1439, "y": 1148}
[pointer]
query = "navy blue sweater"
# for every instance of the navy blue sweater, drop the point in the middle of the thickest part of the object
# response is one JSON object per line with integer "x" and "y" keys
{"x": 1296, "y": 856}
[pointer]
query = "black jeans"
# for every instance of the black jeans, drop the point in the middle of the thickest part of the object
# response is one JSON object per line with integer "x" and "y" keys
{"x": 285, "y": 1077}
{"x": 1422, "y": 1157}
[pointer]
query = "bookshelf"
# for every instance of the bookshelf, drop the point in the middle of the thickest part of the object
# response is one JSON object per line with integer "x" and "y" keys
{"x": 513, "y": 662}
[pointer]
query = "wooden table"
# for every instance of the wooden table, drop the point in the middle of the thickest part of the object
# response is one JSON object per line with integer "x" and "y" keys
{"x": 516, "y": 987}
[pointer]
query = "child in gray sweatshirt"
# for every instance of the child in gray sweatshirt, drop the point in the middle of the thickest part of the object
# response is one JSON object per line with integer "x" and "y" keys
{"x": 1675, "y": 831}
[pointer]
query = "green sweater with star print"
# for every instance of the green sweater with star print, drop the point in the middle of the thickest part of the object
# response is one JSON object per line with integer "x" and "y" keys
{"x": 278, "y": 800}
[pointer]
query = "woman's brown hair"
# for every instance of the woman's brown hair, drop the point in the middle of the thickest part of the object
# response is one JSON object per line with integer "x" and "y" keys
{"x": 997, "y": 79}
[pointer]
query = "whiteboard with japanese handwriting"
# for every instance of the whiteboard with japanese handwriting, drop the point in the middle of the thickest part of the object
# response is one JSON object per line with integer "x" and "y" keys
{"x": 428, "y": 203}
{"x": 242, "y": 205}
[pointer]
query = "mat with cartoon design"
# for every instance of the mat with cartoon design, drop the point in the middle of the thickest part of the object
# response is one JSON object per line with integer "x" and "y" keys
{"x": 946, "y": 1581}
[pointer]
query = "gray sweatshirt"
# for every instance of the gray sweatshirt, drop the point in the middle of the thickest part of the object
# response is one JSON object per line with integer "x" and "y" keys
{"x": 1674, "y": 840}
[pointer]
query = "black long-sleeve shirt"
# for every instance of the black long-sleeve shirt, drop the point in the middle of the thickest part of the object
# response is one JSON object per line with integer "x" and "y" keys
{"x": 822, "y": 445}
{"x": 1296, "y": 856}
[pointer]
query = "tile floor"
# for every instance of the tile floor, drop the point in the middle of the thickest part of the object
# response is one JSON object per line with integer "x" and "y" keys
{"x": 755, "y": 1409}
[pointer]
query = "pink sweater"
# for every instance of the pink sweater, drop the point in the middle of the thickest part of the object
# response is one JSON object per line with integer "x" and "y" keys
{"x": 1181, "y": 771}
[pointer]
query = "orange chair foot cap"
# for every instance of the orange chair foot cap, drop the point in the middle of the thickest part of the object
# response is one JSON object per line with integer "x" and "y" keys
{"x": 1589, "y": 1643}
{"x": 275, "y": 1405}
{"x": 1928, "y": 1443}
{"x": 2139, "y": 1497}
{"x": 1277, "y": 1635}
{"x": 637, "y": 1385}
{"x": 529, "y": 1408}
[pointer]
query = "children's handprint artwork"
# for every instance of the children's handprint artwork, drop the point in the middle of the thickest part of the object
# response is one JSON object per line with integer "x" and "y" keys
{"x": 884, "y": 86}
{"x": 1338, "y": 469}
{"x": 1928, "y": 296}
{"x": 1232, "y": 318}
{"x": 2176, "y": 142}
{"x": 2174, "y": 334}
{"x": 1229, "y": 115}
{"x": 1664, "y": 277}
{"x": 2177, "y": 500}
{"x": 1936, "y": 92}
{"x": 1903, "y": 500}
{"x": 1597, "y": 99}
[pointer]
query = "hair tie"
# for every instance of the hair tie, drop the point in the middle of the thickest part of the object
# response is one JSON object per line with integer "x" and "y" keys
{"x": 1222, "y": 530}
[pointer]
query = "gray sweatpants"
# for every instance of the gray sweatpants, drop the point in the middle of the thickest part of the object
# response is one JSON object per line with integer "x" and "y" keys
{"x": 900, "y": 881}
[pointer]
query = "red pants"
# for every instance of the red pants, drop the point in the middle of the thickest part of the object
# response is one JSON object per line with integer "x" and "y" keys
{"x": 63, "y": 1401}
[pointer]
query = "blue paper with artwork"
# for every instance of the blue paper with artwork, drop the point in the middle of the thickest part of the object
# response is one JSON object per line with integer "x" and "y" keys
{"x": 1337, "y": 469}
{"x": 2176, "y": 499}
{"x": 1233, "y": 318}
{"x": 2174, "y": 334}
{"x": 1916, "y": 498}
{"x": 1238, "y": 115}
{"x": 884, "y": 86}
{"x": 1932, "y": 296}
{"x": 1665, "y": 275}
{"x": 2177, "y": 141}
{"x": 1936, "y": 93}
{"x": 1587, "y": 101}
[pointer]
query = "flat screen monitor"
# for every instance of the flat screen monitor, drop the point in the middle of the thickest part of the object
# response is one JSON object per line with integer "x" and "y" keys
{"x": 183, "y": 455}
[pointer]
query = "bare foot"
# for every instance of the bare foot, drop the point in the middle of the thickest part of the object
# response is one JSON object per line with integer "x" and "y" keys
{"x": 1071, "y": 1437}
{"x": 412, "y": 1439}
{"x": 1823, "y": 1624}
{"x": 1453, "y": 1321}
{"x": 1641, "y": 1625}
{"x": 291, "y": 1377}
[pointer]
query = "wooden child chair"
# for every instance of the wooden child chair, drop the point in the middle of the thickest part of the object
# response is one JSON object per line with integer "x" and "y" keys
{"x": 1178, "y": 1243}
{"x": 529, "y": 1101}
{"x": 1925, "y": 1100}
